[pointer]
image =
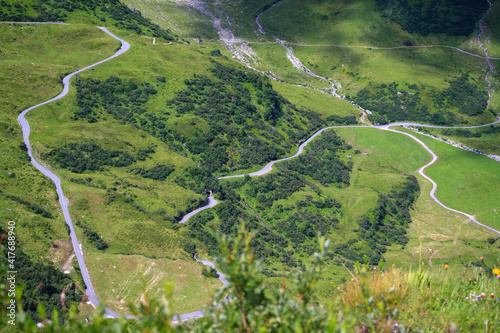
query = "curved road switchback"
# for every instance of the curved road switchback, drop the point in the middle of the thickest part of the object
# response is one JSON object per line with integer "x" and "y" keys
{"x": 211, "y": 203}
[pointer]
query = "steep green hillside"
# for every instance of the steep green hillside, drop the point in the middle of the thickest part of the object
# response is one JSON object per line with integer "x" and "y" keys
{"x": 369, "y": 57}
{"x": 177, "y": 17}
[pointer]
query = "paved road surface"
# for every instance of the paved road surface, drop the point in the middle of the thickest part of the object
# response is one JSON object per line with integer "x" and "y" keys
{"x": 211, "y": 203}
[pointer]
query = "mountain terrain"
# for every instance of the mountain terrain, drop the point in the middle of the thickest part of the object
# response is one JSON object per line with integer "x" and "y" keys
{"x": 210, "y": 90}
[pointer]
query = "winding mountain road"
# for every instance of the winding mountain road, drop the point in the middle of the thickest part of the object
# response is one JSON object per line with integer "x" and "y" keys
{"x": 268, "y": 167}
{"x": 211, "y": 203}
{"x": 25, "y": 127}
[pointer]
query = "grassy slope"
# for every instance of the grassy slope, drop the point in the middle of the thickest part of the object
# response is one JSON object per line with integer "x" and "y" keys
{"x": 492, "y": 30}
{"x": 466, "y": 181}
{"x": 443, "y": 232}
{"x": 32, "y": 60}
{"x": 33, "y": 57}
{"x": 384, "y": 170}
{"x": 488, "y": 143}
{"x": 121, "y": 279}
{"x": 346, "y": 24}
{"x": 358, "y": 66}
{"x": 118, "y": 222}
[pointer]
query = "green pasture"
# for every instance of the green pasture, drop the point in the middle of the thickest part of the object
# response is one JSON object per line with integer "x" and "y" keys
{"x": 118, "y": 222}
{"x": 176, "y": 17}
{"x": 442, "y": 236}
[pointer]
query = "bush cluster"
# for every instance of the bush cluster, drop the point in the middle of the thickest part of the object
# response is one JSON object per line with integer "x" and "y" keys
{"x": 92, "y": 235}
{"x": 451, "y": 17}
{"x": 79, "y": 157}
{"x": 43, "y": 284}
{"x": 55, "y": 11}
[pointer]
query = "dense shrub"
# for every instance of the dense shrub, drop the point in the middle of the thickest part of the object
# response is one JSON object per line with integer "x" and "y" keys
{"x": 79, "y": 157}
{"x": 452, "y": 17}
{"x": 55, "y": 10}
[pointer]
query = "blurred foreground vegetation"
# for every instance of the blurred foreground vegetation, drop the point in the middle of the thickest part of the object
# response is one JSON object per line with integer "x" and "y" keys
{"x": 376, "y": 300}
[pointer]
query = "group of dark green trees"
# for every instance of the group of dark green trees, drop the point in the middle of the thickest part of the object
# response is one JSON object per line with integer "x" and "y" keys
{"x": 102, "y": 11}
{"x": 43, "y": 284}
{"x": 394, "y": 102}
{"x": 451, "y": 17}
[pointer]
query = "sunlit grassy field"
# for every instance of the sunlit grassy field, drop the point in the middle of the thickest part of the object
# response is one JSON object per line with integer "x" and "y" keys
{"x": 122, "y": 279}
{"x": 466, "y": 181}
{"x": 33, "y": 58}
{"x": 444, "y": 233}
